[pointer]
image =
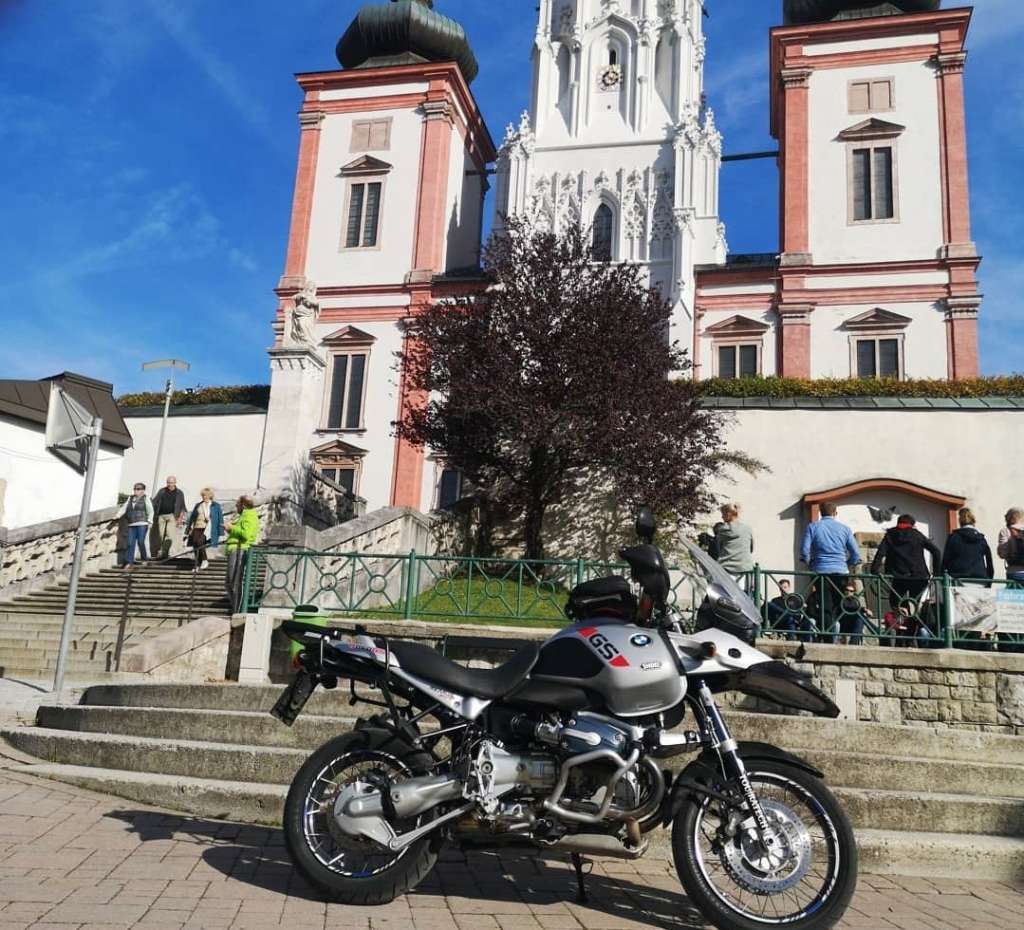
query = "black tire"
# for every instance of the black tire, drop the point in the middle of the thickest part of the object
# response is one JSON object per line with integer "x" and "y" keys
{"x": 388, "y": 882}
{"x": 838, "y": 882}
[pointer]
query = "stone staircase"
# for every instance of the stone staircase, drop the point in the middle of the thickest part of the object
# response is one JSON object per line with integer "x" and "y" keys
{"x": 924, "y": 802}
{"x": 112, "y": 606}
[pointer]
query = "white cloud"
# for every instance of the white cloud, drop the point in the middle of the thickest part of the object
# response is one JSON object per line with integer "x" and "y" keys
{"x": 242, "y": 260}
{"x": 996, "y": 21}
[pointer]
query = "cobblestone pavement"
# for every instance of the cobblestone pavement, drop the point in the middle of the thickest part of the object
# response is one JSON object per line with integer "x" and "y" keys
{"x": 73, "y": 859}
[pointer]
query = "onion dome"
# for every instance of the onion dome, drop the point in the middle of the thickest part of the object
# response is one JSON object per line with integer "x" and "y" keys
{"x": 799, "y": 12}
{"x": 405, "y": 32}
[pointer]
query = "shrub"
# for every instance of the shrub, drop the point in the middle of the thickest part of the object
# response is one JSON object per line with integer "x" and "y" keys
{"x": 256, "y": 395}
{"x": 1000, "y": 386}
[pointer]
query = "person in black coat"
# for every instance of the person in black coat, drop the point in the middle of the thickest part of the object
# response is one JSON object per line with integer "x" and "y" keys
{"x": 967, "y": 554}
{"x": 901, "y": 555}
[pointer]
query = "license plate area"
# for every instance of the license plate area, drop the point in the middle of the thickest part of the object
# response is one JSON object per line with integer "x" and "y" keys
{"x": 290, "y": 704}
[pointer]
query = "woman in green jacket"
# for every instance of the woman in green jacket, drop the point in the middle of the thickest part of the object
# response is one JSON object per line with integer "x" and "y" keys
{"x": 242, "y": 535}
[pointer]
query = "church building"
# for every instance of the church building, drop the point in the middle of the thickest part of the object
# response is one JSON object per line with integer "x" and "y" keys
{"x": 876, "y": 274}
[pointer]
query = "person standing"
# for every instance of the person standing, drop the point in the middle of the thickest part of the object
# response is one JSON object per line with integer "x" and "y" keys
{"x": 242, "y": 532}
{"x": 967, "y": 555}
{"x": 735, "y": 542}
{"x": 169, "y": 506}
{"x": 138, "y": 512}
{"x": 901, "y": 555}
{"x": 1011, "y": 544}
{"x": 204, "y": 528}
{"x": 830, "y": 551}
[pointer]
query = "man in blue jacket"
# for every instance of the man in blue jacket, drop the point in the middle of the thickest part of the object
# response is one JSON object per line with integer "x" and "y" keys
{"x": 830, "y": 550}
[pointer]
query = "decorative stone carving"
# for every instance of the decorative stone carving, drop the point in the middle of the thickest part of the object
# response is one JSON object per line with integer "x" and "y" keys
{"x": 299, "y": 331}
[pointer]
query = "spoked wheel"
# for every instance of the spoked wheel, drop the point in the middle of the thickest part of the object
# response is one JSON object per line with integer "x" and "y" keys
{"x": 352, "y": 869}
{"x": 803, "y": 875}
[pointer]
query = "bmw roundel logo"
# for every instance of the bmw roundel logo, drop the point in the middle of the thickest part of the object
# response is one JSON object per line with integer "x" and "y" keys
{"x": 641, "y": 640}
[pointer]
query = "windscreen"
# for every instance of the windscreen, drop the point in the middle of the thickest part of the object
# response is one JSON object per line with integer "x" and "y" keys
{"x": 694, "y": 570}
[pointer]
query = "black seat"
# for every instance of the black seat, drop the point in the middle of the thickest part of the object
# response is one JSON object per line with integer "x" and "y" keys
{"x": 488, "y": 683}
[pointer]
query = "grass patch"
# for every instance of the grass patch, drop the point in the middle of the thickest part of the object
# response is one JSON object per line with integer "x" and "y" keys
{"x": 481, "y": 602}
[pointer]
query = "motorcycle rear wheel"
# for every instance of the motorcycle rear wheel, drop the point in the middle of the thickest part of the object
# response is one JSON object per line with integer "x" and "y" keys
{"x": 351, "y": 870}
{"x": 735, "y": 886}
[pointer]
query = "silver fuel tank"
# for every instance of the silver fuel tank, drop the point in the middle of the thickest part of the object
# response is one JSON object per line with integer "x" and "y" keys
{"x": 632, "y": 668}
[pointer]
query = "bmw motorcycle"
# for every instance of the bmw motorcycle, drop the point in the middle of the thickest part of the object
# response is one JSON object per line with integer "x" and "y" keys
{"x": 575, "y": 745}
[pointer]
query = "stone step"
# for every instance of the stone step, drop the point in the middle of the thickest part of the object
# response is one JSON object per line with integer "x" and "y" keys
{"x": 277, "y": 765}
{"x": 886, "y": 852}
{"x": 793, "y": 732}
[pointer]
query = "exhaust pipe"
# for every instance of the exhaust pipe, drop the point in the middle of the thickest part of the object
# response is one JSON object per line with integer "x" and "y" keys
{"x": 599, "y": 844}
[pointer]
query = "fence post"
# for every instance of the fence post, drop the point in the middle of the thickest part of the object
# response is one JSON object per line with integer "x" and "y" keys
{"x": 411, "y": 586}
{"x": 581, "y": 568}
{"x": 757, "y": 585}
{"x": 947, "y": 608}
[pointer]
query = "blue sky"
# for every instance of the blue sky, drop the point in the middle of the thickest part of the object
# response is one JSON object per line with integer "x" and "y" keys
{"x": 149, "y": 154}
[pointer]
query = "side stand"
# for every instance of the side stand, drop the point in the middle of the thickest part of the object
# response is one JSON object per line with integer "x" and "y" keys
{"x": 577, "y": 864}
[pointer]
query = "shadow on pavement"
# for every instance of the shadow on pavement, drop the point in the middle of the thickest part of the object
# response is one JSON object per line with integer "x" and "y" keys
{"x": 256, "y": 856}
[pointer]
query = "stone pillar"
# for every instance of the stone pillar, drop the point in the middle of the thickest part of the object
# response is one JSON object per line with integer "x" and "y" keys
{"x": 296, "y": 403}
{"x": 305, "y": 182}
{"x": 953, "y": 148}
{"x": 795, "y": 340}
{"x": 795, "y": 188}
{"x": 962, "y": 337}
{"x": 254, "y": 666}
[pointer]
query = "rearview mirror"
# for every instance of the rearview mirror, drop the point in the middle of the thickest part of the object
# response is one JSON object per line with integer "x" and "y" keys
{"x": 646, "y": 525}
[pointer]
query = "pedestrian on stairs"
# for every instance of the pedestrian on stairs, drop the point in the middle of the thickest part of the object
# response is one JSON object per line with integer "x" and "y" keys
{"x": 138, "y": 510}
{"x": 204, "y": 528}
{"x": 169, "y": 504}
{"x": 243, "y": 533}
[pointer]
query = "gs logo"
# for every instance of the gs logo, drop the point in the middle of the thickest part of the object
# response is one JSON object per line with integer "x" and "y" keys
{"x": 604, "y": 647}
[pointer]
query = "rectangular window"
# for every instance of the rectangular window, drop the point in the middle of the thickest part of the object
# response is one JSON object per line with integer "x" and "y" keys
{"x": 363, "y": 215}
{"x": 348, "y": 377}
{"x": 371, "y": 135}
{"x": 450, "y": 491}
{"x": 872, "y": 189}
{"x": 738, "y": 361}
{"x": 878, "y": 358}
{"x": 344, "y": 477}
{"x": 871, "y": 96}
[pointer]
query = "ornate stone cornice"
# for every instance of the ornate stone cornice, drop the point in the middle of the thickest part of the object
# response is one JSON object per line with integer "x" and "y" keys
{"x": 311, "y": 119}
{"x": 962, "y": 308}
{"x": 950, "y": 62}
{"x": 794, "y": 314}
{"x": 795, "y": 77}
{"x": 439, "y": 110}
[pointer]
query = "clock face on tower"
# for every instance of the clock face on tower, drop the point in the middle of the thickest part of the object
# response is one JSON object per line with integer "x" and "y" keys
{"x": 610, "y": 77}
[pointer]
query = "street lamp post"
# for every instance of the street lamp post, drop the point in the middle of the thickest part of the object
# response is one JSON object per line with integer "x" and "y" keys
{"x": 174, "y": 365}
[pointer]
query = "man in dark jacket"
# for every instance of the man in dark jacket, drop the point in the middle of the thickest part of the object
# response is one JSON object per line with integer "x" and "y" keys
{"x": 169, "y": 517}
{"x": 967, "y": 554}
{"x": 901, "y": 555}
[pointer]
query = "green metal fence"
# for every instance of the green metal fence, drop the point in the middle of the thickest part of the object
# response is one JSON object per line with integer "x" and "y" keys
{"x": 851, "y": 610}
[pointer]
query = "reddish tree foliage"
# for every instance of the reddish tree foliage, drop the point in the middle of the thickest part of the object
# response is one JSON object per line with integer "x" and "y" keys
{"x": 559, "y": 370}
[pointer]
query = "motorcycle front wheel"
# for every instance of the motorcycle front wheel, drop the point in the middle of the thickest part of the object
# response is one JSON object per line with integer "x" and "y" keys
{"x": 804, "y": 880}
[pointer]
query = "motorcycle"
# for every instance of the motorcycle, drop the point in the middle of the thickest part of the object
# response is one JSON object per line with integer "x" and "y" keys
{"x": 573, "y": 746}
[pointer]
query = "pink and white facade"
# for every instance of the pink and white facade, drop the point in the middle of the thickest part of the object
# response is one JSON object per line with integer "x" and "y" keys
{"x": 389, "y": 195}
{"x": 878, "y": 272}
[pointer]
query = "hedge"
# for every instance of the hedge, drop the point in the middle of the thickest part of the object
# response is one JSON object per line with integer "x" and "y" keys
{"x": 256, "y": 395}
{"x": 1004, "y": 386}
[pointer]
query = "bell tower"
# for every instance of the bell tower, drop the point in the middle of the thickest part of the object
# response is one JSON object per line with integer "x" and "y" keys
{"x": 619, "y": 139}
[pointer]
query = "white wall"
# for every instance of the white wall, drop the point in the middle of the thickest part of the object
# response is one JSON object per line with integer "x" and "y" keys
{"x": 918, "y": 234}
{"x": 925, "y": 340}
{"x": 327, "y": 264}
{"x": 463, "y": 208}
{"x": 952, "y": 451}
{"x": 221, "y": 452}
{"x": 35, "y": 487}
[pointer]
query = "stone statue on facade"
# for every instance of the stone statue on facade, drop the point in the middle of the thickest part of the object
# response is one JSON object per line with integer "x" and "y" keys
{"x": 300, "y": 325}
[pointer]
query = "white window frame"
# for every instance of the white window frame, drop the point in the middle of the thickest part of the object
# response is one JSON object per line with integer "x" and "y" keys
{"x": 735, "y": 343}
{"x": 877, "y": 336}
{"x": 349, "y": 351}
{"x": 871, "y": 108}
{"x": 872, "y": 145}
{"x": 357, "y": 126}
{"x": 366, "y": 179}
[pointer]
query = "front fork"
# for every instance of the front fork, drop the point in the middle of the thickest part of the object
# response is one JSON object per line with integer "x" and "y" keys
{"x": 720, "y": 739}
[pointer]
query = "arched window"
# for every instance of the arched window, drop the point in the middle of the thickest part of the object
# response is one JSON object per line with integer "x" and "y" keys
{"x": 604, "y": 223}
